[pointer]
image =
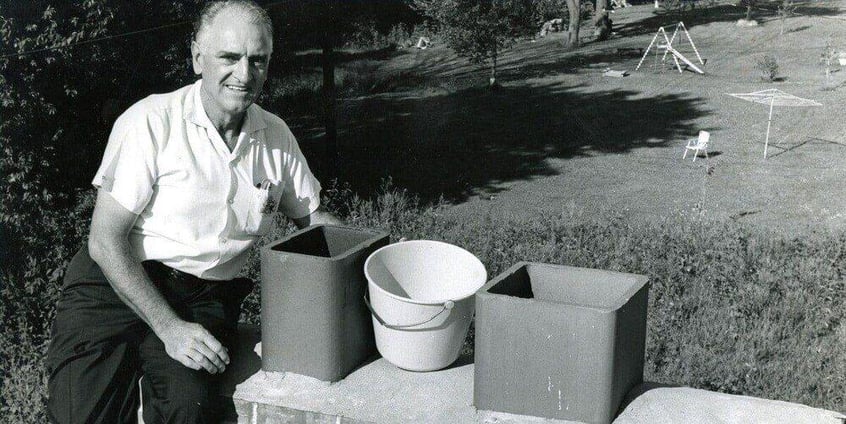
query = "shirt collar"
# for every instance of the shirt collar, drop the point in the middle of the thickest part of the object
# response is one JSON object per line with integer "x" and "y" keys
{"x": 196, "y": 114}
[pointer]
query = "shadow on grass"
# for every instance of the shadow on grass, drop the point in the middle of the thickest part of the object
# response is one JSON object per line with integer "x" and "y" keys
{"x": 782, "y": 149}
{"x": 797, "y": 29}
{"x": 314, "y": 58}
{"x": 471, "y": 141}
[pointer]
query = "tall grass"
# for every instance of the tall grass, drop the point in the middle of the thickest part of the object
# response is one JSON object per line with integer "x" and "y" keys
{"x": 730, "y": 309}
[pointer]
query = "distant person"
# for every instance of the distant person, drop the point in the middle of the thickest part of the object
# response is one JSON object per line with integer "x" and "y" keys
{"x": 189, "y": 181}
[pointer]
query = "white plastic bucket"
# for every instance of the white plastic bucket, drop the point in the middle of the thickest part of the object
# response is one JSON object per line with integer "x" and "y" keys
{"x": 422, "y": 300}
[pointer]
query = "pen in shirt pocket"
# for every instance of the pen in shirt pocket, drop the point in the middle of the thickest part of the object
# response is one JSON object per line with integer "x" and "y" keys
{"x": 265, "y": 184}
{"x": 269, "y": 204}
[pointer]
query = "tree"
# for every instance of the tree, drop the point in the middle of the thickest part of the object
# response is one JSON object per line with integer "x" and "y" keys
{"x": 785, "y": 10}
{"x": 476, "y": 29}
{"x": 749, "y": 4}
{"x": 324, "y": 24}
{"x": 574, "y": 10}
{"x": 602, "y": 20}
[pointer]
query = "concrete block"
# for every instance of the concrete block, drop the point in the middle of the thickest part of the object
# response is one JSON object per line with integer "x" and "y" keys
{"x": 559, "y": 342}
{"x": 314, "y": 320}
{"x": 654, "y": 403}
{"x": 377, "y": 392}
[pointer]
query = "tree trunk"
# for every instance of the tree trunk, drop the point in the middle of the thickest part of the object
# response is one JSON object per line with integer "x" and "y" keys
{"x": 828, "y": 69}
{"x": 574, "y": 12}
{"x": 602, "y": 21}
{"x": 492, "y": 81}
{"x": 749, "y": 10}
{"x": 600, "y": 6}
{"x": 330, "y": 159}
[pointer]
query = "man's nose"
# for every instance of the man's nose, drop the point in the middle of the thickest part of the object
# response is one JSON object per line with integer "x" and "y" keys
{"x": 242, "y": 69}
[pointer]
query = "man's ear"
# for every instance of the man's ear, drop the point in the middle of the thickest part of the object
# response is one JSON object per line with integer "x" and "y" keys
{"x": 196, "y": 58}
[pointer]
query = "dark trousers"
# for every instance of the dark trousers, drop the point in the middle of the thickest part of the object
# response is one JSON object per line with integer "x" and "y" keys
{"x": 100, "y": 348}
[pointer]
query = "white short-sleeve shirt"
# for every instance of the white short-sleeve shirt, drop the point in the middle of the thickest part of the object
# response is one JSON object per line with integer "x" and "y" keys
{"x": 200, "y": 207}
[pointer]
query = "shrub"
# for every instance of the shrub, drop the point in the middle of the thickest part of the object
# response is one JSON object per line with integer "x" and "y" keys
{"x": 28, "y": 295}
{"x": 768, "y": 66}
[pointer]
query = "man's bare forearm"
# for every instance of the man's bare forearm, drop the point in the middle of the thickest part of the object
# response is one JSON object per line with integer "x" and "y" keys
{"x": 130, "y": 282}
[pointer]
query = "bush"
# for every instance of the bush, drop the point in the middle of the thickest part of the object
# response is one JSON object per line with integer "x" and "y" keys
{"x": 768, "y": 66}
{"x": 28, "y": 296}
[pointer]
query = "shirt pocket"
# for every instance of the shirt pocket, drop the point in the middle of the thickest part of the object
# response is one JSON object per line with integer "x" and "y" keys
{"x": 261, "y": 210}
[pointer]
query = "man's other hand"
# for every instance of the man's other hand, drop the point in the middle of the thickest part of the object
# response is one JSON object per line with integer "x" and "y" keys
{"x": 196, "y": 348}
{"x": 317, "y": 217}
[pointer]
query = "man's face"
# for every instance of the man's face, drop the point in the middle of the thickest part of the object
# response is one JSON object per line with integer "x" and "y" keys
{"x": 232, "y": 55}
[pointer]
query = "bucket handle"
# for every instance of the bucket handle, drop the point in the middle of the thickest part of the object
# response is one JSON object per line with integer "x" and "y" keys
{"x": 445, "y": 307}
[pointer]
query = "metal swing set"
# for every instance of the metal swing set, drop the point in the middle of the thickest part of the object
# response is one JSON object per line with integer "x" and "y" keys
{"x": 667, "y": 47}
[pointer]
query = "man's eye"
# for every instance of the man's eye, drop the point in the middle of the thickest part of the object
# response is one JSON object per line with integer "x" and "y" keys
{"x": 260, "y": 62}
{"x": 229, "y": 59}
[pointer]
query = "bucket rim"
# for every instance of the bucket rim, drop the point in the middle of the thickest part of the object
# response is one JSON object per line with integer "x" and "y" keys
{"x": 426, "y": 302}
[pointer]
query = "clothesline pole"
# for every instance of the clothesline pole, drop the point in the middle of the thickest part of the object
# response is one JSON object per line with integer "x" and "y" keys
{"x": 769, "y": 121}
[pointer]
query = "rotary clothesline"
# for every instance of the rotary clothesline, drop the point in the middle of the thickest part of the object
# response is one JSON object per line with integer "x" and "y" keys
{"x": 774, "y": 97}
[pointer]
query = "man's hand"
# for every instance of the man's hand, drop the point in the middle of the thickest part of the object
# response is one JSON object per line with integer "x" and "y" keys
{"x": 193, "y": 346}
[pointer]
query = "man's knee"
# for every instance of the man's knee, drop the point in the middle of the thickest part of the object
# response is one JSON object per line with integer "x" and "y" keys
{"x": 91, "y": 384}
{"x": 193, "y": 396}
{"x": 188, "y": 404}
{"x": 185, "y": 396}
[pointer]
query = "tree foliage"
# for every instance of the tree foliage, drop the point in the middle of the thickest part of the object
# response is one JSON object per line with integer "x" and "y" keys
{"x": 63, "y": 80}
{"x": 58, "y": 98}
{"x": 477, "y": 29}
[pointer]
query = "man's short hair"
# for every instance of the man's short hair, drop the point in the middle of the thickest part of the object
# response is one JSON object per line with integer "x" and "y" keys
{"x": 249, "y": 7}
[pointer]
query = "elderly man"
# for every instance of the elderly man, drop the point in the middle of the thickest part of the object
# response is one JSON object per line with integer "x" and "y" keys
{"x": 188, "y": 182}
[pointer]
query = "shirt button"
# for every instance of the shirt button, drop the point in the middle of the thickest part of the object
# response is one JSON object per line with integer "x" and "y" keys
{"x": 223, "y": 240}
{"x": 230, "y": 201}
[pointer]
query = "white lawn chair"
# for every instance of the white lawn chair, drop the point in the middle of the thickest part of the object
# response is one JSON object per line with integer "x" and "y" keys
{"x": 697, "y": 145}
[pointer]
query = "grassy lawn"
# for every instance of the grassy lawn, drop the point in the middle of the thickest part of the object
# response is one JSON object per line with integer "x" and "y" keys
{"x": 559, "y": 134}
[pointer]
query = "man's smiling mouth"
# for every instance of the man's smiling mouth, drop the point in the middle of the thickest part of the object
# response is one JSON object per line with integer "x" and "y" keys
{"x": 238, "y": 88}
